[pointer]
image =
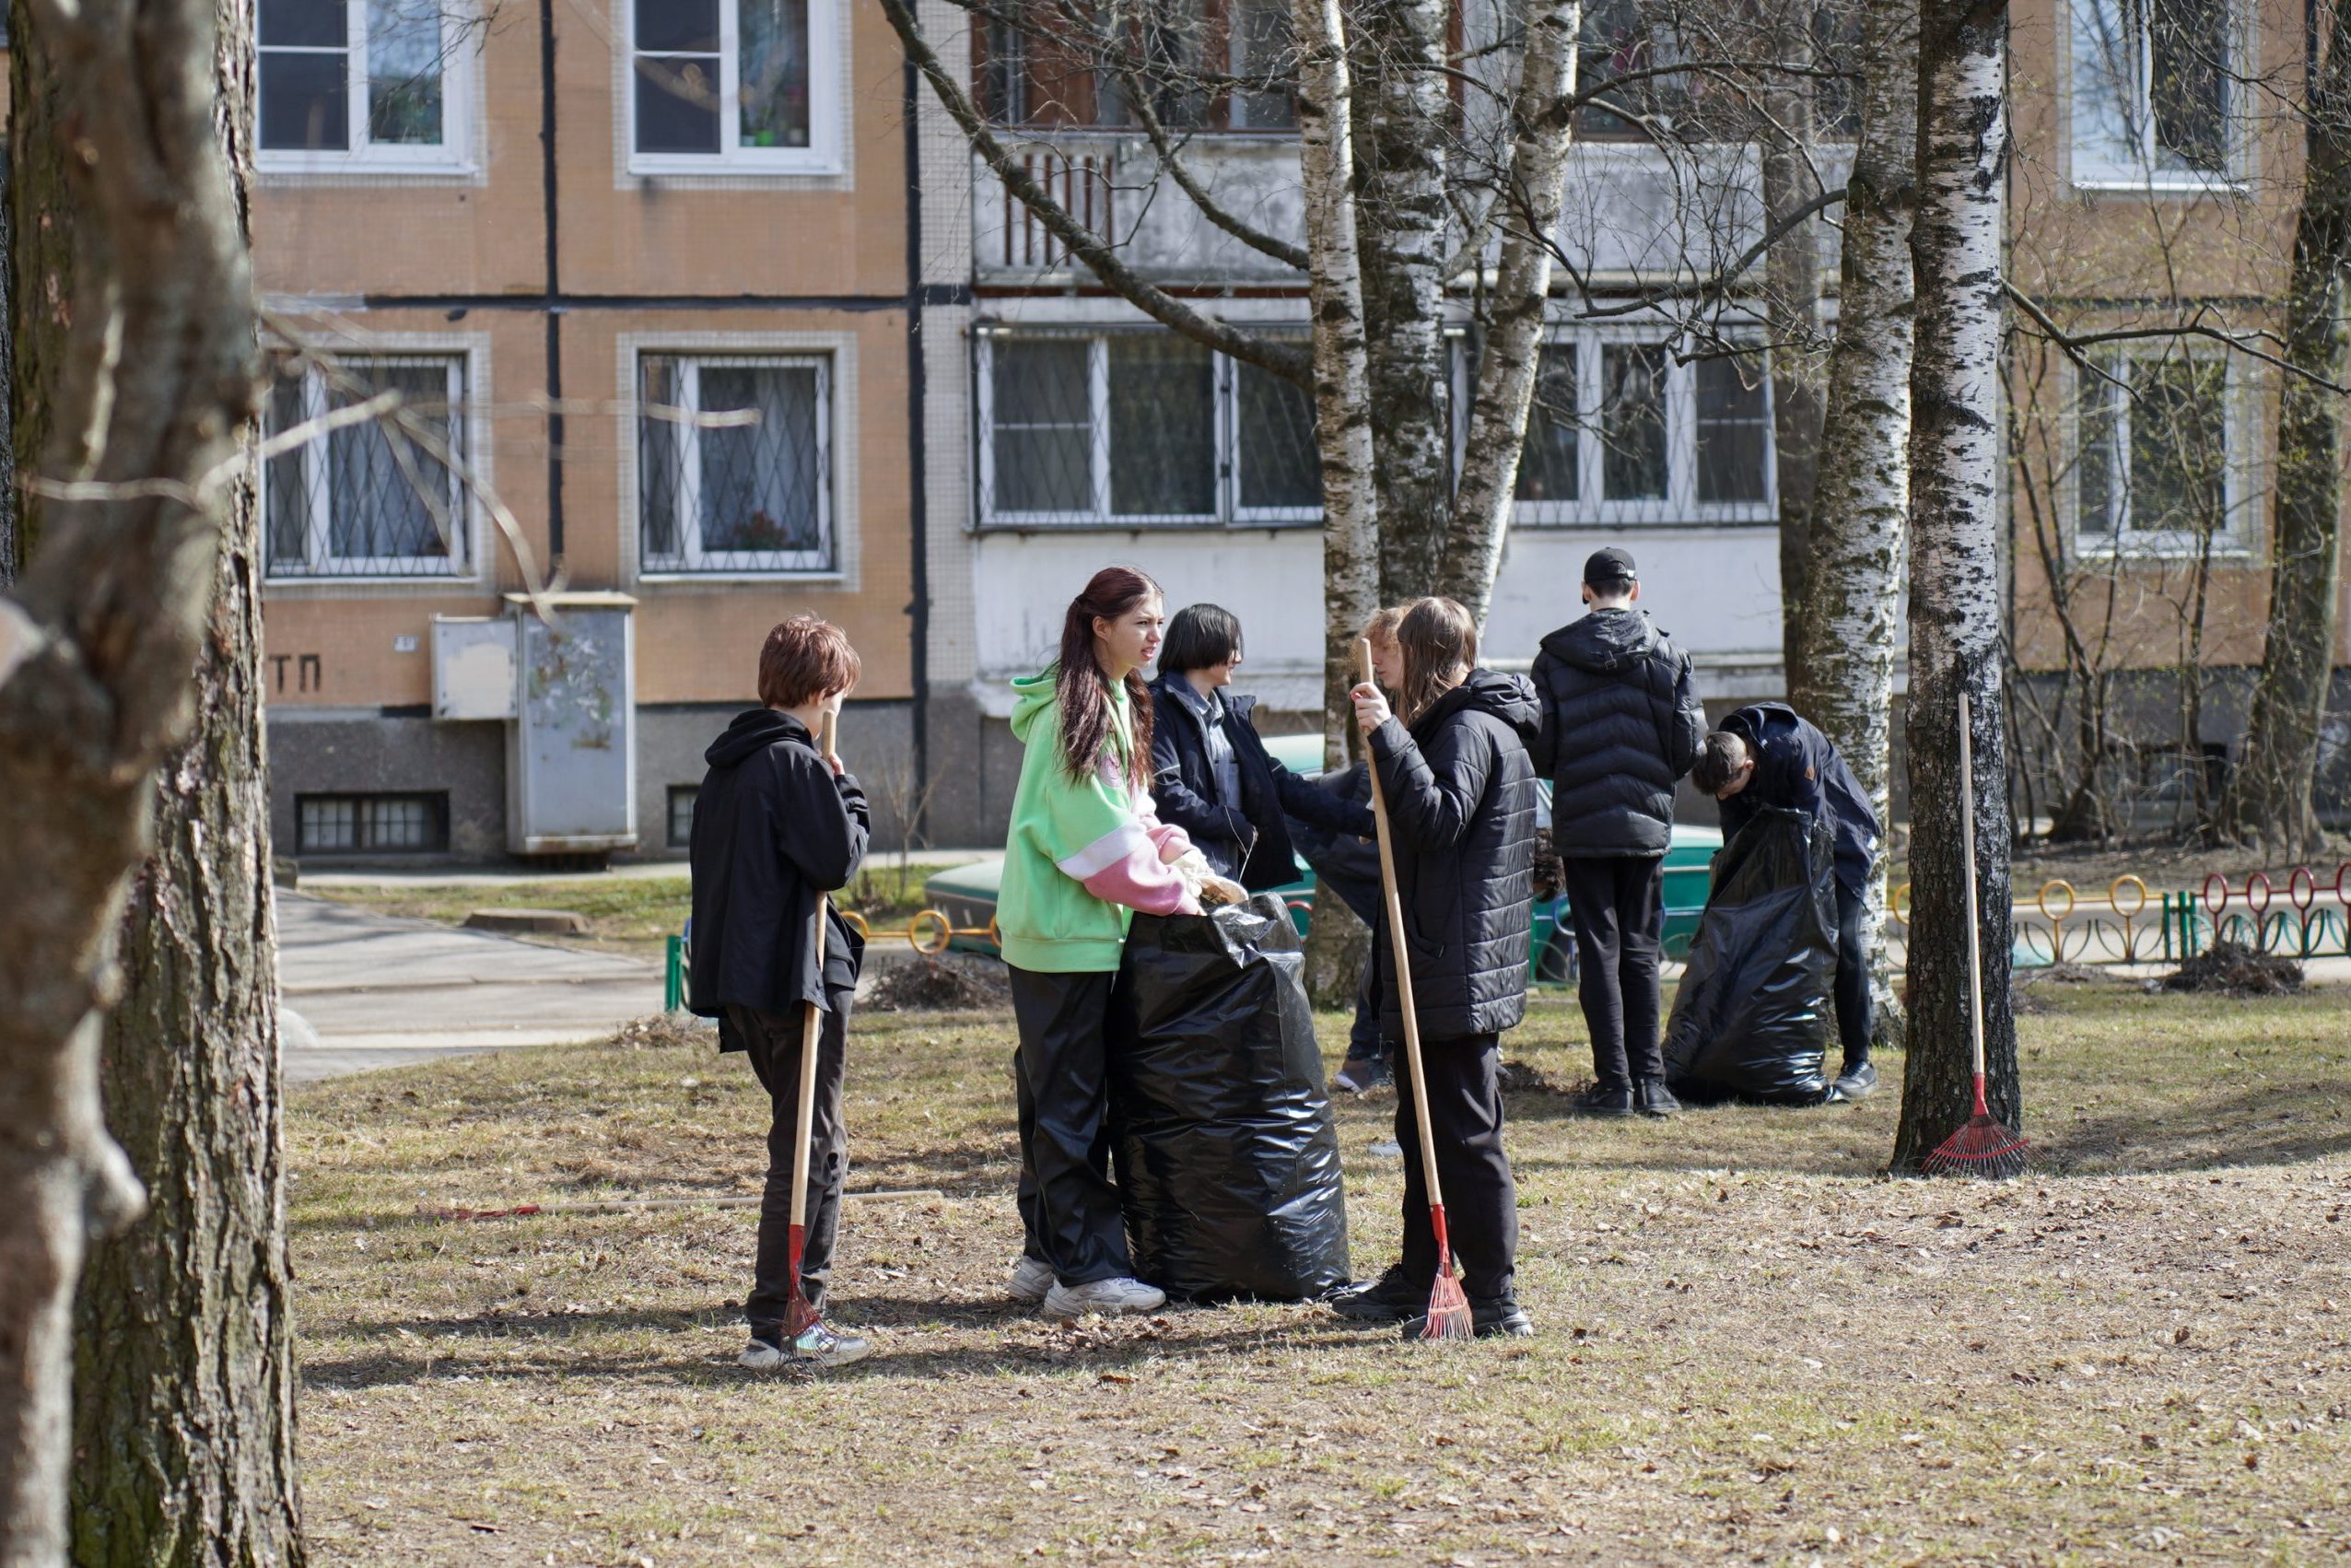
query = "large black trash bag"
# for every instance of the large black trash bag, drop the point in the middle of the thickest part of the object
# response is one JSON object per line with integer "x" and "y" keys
{"x": 1228, "y": 1155}
{"x": 1752, "y": 1020}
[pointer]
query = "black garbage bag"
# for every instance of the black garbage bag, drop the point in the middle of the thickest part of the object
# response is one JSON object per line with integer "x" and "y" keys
{"x": 1228, "y": 1155}
{"x": 1752, "y": 1018}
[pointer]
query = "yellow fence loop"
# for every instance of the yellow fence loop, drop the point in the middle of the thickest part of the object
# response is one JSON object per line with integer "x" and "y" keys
{"x": 1899, "y": 903}
{"x": 2055, "y": 884}
{"x": 856, "y": 922}
{"x": 2114, "y": 896}
{"x": 929, "y": 932}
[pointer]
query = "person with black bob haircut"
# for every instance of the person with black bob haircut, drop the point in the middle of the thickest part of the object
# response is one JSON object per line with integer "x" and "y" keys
{"x": 1212, "y": 777}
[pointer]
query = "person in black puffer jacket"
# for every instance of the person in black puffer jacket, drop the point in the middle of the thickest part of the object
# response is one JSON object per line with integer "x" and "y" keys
{"x": 1622, "y": 724}
{"x": 1461, "y": 799}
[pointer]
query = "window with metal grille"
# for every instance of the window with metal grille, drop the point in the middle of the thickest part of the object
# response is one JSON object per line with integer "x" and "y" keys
{"x": 1205, "y": 65}
{"x": 2154, "y": 91}
{"x": 1621, "y": 431}
{"x": 376, "y": 499}
{"x": 1138, "y": 428}
{"x": 2157, "y": 469}
{"x": 682, "y": 815}
{"x": 370, "y": 84}
{"x": 409, "y": 823}
{"x": 735, "y": 463}
{"x": 733, "y": 85}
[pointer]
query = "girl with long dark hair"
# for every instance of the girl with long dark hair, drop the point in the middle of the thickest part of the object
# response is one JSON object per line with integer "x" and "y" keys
{"x": 1461, "y": 799}
{"x": 1084, "y": 852}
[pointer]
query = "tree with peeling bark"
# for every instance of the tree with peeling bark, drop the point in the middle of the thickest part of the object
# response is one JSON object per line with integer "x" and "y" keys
{"x": 185, "y": 1371}
{"x": 1957, "y": 472}
{"x": 1843, "y": 622}
{"x": 138, "y": 358}
{"x": 2268, "y": 801}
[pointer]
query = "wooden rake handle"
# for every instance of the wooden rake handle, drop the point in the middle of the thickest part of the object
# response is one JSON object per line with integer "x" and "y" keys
{"x": 1403, "y": 962}
{"x": 810, "y": 1028}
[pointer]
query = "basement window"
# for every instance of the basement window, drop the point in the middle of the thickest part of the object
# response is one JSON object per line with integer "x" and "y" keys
{"x": 412, "y": 823}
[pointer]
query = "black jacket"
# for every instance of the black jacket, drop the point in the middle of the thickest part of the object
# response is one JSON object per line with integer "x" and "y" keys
{"x": 772, "y": 829}
{"x": 1622, "y": 724}
{"x": 1796, "y": 767}
{"x": 1247, "y": 839}
{"x": 1348, "y": 863}
{"x": 1461, "y": 803}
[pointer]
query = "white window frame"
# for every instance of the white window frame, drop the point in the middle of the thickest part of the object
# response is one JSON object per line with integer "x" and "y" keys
{"x": 2234, "y": 537}
{"x": 826, "y": 69}
{"x": 2093, "y": 169}
{"x": 455, "y": 153}
{"x": 694, "y": 563}
{"x": 1681, "y": 504}
{"x": 1228, "y": 392}
{"x": 1099, "y": 514}
{"x": 322, "y": 565}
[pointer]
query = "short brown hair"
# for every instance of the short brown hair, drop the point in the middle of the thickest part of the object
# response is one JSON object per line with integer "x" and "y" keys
{"x": 1381, "y": 628}
{"x": 804, "y": 659}
{"x": 1718, "y": 757}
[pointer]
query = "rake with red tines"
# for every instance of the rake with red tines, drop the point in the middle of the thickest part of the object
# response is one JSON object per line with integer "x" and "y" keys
{"x": 1986, "y": 1146}
{"x": 1449, "y": 1316}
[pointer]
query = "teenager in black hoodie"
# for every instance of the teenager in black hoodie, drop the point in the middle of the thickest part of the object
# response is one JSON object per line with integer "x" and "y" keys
{"x": 1461, "y": 802}
{"x": 777, "y": 825}
{"x": 1622, "y": 724}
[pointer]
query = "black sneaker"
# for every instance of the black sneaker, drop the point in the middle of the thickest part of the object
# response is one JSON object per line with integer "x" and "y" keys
{"x": 1604, "y": 1099}
{"x": 1651, "y": 1097}
{"x": 1359, "y": 1075}
{"x": 1854, "y": 1081}
{"x": 1391, "y": 1298}
{"x": 1500, "y": 1319}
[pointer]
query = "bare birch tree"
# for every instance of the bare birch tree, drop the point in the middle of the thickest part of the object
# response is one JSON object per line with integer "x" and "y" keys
{"x": 1843, "y": 622}
{"x": 1957, "y": 473}
{"x": 155, "y": 374}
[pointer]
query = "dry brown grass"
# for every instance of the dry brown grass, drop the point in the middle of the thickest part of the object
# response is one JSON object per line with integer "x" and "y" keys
{"x": 1750, "y": 1347}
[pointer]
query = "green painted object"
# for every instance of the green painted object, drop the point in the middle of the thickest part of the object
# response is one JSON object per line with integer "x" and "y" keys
{"x": 966, "y": 894}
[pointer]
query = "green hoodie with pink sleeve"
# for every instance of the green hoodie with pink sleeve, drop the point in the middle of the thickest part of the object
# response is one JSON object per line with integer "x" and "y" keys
{"x": 1082, "y": 854}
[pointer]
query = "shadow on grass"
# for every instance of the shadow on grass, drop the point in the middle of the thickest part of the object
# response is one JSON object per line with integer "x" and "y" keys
{"x": 2277, "y": 1124}
{"x": 442, "y": 1346}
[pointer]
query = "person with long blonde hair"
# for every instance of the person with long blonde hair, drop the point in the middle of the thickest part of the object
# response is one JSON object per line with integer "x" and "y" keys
{"x": 1461, "y": 802}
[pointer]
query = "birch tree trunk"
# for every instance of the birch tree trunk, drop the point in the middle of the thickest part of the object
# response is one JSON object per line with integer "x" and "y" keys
{"x": 1956, "y": 475}
{"x": 1843, "y": 675}
{"x": 2268, "y": 800}
{"x": 1507, "y": 371}
{"x": 98, "y": 641}
{"x": 183, "y": 1390}
{"x": 1402, "y": 224}
{"x": 1793, "y": 269}
{"x": 1342, "y": 374}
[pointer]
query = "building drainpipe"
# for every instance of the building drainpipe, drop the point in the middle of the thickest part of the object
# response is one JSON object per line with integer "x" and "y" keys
{"x": 554, "y": 288}
{"x": 917, "y": 502}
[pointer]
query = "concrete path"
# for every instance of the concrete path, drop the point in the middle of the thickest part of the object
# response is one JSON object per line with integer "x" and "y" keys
{"x": 364, "y": 991}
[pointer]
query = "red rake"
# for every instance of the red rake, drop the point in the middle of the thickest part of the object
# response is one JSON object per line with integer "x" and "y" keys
{"x": 1986, "y": 1146}
{"x": 1449, "y": 1316}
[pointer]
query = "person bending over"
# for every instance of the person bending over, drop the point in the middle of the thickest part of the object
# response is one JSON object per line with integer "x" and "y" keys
{"x": 1765, "y": 755}
{"x": 777, "y": 825}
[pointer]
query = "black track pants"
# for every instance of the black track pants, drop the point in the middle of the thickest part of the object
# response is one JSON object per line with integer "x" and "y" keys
{"x": 1854, "y": 1009}
{"x": 1069, "y": 1209}
{"x": 773, "y": 1043}
{"x": 1618, "y": 907}
{"x": 1480, "y": 1199}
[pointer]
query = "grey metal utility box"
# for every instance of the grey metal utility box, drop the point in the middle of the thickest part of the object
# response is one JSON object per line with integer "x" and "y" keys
{"x": 566, "y": 687}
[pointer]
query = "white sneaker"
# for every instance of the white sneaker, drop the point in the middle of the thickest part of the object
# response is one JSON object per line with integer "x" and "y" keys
{"x": 817, "y": 1345}
{"x": 1109, "y": 1297}
{"x": 1031, "y": 1280}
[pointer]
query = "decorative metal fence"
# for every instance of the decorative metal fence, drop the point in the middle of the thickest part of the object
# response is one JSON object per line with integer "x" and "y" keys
{"x": 2134, "y": 924}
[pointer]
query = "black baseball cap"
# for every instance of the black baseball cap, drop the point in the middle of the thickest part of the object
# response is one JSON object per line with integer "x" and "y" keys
{"x": 1610, "y": 566}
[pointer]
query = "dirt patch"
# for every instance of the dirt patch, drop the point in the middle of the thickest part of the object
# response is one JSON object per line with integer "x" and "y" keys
{"x": 2230, "y": 968}
{"x": 667, "y": 1031}
{"x": 939, "y": 984}
{"x": 1526, "y": 1078}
